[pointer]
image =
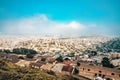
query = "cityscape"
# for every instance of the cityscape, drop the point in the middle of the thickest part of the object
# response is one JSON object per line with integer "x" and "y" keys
{"x": 82, "y": 58}
{"x": 59, "y": 40}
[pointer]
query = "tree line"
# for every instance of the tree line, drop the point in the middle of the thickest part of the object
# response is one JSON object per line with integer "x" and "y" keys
{"x": 20, "y": 51}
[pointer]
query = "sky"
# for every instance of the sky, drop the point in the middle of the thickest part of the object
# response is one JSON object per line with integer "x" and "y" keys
{"x": 64, "y": 17}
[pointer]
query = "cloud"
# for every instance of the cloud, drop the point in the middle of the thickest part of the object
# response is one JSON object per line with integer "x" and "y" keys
{"x": 41, "y": 24}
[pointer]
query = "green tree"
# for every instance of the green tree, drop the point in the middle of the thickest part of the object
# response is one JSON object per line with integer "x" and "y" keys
{"x": 16, "y": 50}
{"x": 109, "y": 46}
{"x": 32, "y": 51}
{"x": 6, "y": 51}
{"x": 0, "y": 50}
{"x": 29, "y": 56}
{"x": 76, "y": 71}
{"x": 106, "y": 63}
{"x": 59, "y": 59}
{"x": 21, "y": 57}
{"x": 24, "y": 50}
{"x": 67, "y": 59}
{"x": 43, "y": 59}
{"x": 78, "y": 64}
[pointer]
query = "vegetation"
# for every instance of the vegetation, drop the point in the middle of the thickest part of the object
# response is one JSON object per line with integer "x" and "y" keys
{"x": 0, "y": 50}
{"x": 24, "y": 51}
{"x": 29, "y": 56}
{"x": 110, "y": 46}
{"x": 67, "y": 59}
{"x": 20, "y": 51}
{"x": 78, "y": 63}
{"x": 43, "y": 59}
{"x": 59, "y": 59}
{"x": 76, "y": 71}
{"x": 28, "y": 52}
{"x": 90, "y": 51}
{"x": 106, "y": 63}
{"x": 9, "y": 71}
{"x": 21, "y": 57}
{"x": 6, "y": 51}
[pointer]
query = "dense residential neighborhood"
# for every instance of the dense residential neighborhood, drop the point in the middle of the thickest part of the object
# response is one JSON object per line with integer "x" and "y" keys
{"x": 59, "y": 39}
{"x": 90, "y": 63}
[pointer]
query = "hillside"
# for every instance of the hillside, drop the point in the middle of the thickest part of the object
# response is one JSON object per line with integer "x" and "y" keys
{"x": 110, "y": 46}
{"x": 9, "y": 71}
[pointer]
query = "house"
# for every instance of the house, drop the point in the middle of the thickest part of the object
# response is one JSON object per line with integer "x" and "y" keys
{"x": 68, "y": 62}
{"x": 115, "y": 55}
{"x": 67, "y": 69}
{"x": 116, "y": 62}
{"x": 3, "y": 55}
{"x": 47, "y": 66}
{"x": 10, "y": 57}
{"x": 37, "y": 64}
{"x": 97, "y": 59}
{"x": 51, "y": 60}
{"x": 25, "y": 62}
{"x": 13, "y": 58}
{"x": 57, "y": 68}
{"x": 91, "y": 71}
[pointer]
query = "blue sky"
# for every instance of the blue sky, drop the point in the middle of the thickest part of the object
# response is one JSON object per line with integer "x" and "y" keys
{"x": 68, "y": 17}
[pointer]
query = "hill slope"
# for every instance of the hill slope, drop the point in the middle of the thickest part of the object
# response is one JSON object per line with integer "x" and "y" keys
{"x": 110, "y": 46}
{"x": 9, "y": 71}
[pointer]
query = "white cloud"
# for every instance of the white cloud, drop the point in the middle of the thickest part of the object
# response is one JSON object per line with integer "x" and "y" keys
{"x": 42, "y": 24}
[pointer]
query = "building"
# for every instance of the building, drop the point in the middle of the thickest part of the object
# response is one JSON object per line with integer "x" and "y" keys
{"x": 115, "y": 55}
{"x": 91, "y": 71}
{"x": 116, "y": 62}
{"x": 10, "y": 57}
{"x": 67, "y": 69}
{"x": 37, "y": 64}
{"x": 57, "y": 68}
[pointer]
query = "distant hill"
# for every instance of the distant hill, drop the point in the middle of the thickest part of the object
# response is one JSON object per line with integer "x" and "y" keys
{"x": 110, "y": 46}
{"x": 9, "y": 71}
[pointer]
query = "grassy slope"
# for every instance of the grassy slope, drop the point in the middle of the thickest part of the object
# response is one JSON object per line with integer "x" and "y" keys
{"x": 9, "y": 71}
